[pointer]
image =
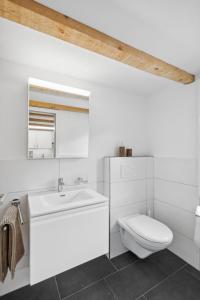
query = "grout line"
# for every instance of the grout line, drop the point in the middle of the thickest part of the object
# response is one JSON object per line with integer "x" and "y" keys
{"x": 137, "y": 260}
{"x": 173, "y": 228}
{"x": 118, "y": 270}
{"x": 109, "y": 260}
{"x": 59, "y": 167}
{"x": 177, "y": 207}
{"x": 155, "y": 286}
{"x": 37, "y": 189}
{"x": 89, "y": 285}
{"x": 57, "y": 288}
{"x": 103, "y": 278}
{"x": 113, "y": 265}
{"x": 183, "y": 235}
{"x": 155, "y": 262}
{"x": 176, "y": 182}
{"x": 129, "y": 180}
{"x": 128, "y": 204}
{"x": 44, "y": 189}
{"x": 192, "y": 274}
{"x": 84, "y": 288}
{"x": 110, "y": 289}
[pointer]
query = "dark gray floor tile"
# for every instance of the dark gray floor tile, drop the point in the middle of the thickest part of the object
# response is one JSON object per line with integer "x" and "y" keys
{"x": 45, "y": 290}
{"x": 133, "y": 281}
{"x": 167, "y": 261}
{"x": 124, "y": 260}
{"x": 194, "y": 272}
{"x": 181, "y": 286}
{"x": 75, "y": 279}
{"x": 98, "y": 291}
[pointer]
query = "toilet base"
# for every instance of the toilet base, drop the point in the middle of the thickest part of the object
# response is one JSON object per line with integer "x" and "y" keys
{"x": 133, "y": 246}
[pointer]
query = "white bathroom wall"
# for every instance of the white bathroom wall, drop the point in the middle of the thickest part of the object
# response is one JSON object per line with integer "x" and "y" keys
{"x": 172, "y": 135}
{"x": 115, "y": 116}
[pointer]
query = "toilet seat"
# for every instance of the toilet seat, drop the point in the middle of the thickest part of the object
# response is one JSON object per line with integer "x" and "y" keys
{"x": 148, "y": 232}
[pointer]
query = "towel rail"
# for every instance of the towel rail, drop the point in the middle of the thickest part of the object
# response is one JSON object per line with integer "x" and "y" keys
{"x": 5, "y": 228}
{"x": 16, "y": 202}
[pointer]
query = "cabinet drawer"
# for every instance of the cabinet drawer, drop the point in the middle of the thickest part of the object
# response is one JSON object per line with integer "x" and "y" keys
{"x": 62, "y": 241}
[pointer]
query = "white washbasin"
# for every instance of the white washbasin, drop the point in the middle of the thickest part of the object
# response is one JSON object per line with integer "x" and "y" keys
{"x": 58, "y": 199}
{"x": 51, "y": 202}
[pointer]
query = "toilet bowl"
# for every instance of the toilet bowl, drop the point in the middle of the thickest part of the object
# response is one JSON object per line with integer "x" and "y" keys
{"x": 144, "y": 235}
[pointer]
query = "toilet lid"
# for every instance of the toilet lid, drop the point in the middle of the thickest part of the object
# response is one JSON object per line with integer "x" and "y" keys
{"x": 149, "y": 229}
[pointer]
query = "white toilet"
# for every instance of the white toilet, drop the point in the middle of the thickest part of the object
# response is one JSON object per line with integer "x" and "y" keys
{"x": 144, "y": 235}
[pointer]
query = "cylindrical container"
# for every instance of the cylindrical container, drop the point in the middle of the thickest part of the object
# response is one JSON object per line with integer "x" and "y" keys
{"x": 129, "y": 152}
{"x": 122, "y": 151}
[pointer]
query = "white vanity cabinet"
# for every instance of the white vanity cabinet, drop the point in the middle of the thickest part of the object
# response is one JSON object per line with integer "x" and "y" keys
{"x": 65, "y": 239}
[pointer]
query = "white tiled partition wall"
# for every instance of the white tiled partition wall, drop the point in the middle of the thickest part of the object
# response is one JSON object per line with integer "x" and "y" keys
{"x": 172, "y": 134}
{"x": 129, "y": 186}
{"x": 176, "y": 198}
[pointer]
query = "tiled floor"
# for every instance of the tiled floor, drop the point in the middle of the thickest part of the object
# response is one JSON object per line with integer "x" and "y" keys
{"x": 162, "y": 276}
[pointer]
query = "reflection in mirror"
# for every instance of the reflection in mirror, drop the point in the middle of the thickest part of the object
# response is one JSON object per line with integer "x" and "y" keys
{"x": 58, "y": 121}
{"x": 41, "y": 134}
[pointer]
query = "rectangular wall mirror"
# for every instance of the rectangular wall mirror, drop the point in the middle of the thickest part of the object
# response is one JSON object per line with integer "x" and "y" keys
{"x": 58, "y": 120}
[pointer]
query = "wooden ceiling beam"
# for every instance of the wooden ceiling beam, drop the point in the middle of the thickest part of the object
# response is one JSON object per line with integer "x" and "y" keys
{"x": 43, "y": 19}
{"x": 56, "y": 106}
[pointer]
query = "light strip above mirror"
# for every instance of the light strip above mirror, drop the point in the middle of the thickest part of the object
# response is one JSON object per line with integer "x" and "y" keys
{"x": 52, "y": 86}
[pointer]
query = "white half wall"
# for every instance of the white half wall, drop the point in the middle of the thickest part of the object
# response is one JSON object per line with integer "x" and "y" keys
{"x": 128, "y": 184}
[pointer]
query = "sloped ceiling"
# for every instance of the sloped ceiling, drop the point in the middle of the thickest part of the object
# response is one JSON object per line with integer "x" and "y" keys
{"x": 169, "y": 30}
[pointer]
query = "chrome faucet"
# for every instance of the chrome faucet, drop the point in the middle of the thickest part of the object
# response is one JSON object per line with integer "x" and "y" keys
{"x": 60, "y": 184}
{"x": 80, "y": 180}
